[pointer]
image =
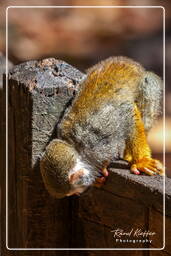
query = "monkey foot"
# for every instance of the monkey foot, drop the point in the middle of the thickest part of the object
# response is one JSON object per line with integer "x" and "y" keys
{"x": 101, "y": 180}
{"x": 149, "y": 166}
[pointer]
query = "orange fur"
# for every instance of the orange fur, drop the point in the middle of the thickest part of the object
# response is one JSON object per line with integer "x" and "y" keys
{"x": 137, "y": 148}
{"x": 103, "y": 82}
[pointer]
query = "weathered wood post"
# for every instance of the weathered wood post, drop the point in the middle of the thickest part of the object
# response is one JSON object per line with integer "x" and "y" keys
{"x": 39, "y": 92}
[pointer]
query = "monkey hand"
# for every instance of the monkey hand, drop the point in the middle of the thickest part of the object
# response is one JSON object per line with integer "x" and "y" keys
{"x": 102, "y": 178}
{"x": 147, "y": 165}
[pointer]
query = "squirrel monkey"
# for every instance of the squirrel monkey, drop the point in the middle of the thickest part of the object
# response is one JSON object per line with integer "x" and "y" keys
{"x": 118, "y": 101}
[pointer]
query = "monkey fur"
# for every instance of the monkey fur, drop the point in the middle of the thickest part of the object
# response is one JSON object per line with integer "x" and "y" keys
{"x": 118, "y": 101}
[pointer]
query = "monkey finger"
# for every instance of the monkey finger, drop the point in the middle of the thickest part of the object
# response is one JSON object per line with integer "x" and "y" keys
{"x": 105, "y": 172}
{"x": 162, "y": 173}
{"x": 135, "y": 170}
{"x": 158, "y": 165}
{"x": 147, "y": 171}
{"x": 152, "y": 168}
{"x": 100, "y": 180}
{"x": 160, "y": 168}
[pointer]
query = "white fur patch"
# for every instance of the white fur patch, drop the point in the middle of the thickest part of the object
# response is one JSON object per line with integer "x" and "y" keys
{"x": 80, "y": 166}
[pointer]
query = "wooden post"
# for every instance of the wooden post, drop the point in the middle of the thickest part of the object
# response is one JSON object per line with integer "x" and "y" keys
{"x": 39, "y": 92}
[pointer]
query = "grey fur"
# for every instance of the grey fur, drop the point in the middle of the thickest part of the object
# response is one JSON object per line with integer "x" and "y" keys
{"x": 102, "y": 137}
{"x": 149, "y": 98}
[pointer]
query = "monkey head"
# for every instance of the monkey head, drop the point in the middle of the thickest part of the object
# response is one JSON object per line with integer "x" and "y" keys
{"x": 64, "y": 172}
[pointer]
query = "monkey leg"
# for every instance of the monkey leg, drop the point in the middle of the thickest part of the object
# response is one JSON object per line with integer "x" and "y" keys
{"x": 127, "y": 155}
{"x": 137, "y": 150}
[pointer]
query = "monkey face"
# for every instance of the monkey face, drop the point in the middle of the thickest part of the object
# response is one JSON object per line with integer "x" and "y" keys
{"x": 64, "y": 174}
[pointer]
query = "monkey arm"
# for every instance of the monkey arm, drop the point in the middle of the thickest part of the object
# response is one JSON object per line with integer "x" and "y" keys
{"x": 137, "y": 150}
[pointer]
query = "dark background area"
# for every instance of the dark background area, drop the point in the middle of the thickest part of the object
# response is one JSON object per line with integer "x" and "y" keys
{"x": 82, "y": 37}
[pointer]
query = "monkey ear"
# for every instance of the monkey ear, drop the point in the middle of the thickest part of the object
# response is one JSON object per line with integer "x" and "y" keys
{"x": 76, "y": 176}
